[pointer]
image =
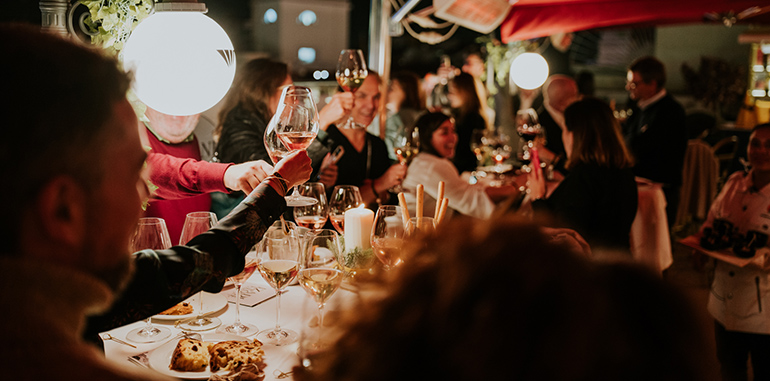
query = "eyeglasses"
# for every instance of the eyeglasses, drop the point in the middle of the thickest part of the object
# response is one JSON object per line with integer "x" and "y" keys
{"x": 632, "y": 85}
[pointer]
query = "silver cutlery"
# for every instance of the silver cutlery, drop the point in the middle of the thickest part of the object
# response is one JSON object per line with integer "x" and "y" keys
{"x": 107, "y": 336}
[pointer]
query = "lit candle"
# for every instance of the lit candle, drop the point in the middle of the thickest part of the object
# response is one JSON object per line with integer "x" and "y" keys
{"x": 358, "y": 227}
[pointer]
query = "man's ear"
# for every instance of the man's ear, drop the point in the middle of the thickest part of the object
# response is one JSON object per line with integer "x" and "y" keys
{"x": 62, "y": 211}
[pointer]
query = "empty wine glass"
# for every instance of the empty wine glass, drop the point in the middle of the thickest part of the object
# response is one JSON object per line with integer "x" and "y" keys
{"x": 343, "y": 197}
{"x": 296, "y": 124}
{"x": 320, "y": 273}
{"x": 351, "y": 72}
{"x": 239, "y": 328}
{"x": 150, "y": 233}
{"x": 388, "y": 235}
{"x": 312, "y": 216}
{"x": 196, "y": 223}
{"x": 278, "y": 262}
{"x": 275, "y": 148}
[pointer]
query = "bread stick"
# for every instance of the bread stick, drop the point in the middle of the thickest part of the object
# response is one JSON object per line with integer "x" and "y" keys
{"x": 420, "y": 202}
{"x": 404, "y": 212}
{"x": 439, "y": 197}
{"x": 442, "y": 210}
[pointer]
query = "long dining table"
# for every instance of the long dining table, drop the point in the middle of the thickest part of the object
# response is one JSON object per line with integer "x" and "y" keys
{"x": 279, "y": 360}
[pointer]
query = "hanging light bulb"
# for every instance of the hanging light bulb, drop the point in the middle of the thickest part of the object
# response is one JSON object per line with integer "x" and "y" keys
{"x": 529, "y": 70}
{"x": 183, "y": 61}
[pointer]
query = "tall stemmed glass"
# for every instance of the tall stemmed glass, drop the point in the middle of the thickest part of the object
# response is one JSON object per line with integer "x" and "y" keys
{"x": 343, "y": 197}
{"x": 409, "y": 148}
{"x": 320, "y": 273}
{"x": 351, "y": 72}
{"x": 388, "y": 235}
{"x": 150, "y": 233}
{"x": 275, "y": 148}
{"x": 196, "y": 223}
{"x": 312, "y": 216}
{"x": 296, "y": 124}
{"x": 239, "y": 328}
{"x": 278, "y": 262}
{"x": 528, "y": 128}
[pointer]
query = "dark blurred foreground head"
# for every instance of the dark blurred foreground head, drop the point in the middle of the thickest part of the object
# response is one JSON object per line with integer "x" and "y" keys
{"x": 498, "y": 300}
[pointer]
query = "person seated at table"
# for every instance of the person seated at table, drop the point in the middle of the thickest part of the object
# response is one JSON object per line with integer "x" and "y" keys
{"x": 467, "y": 111}
{"x": 365, "y": 162}
{"x": 740, "y": 296}
{"x": 598, "y": 198}
{"x": 73, "y": 199}
{"x": 518, "y": 307}
{"x": 438, "y": 141}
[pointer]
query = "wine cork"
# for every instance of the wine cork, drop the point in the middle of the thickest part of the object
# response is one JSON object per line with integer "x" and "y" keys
{"x": 420, "y": 202}
{"x": 439, "y": 197}
{"x": 404, "y": 211}
{"x": 442, "y": 210}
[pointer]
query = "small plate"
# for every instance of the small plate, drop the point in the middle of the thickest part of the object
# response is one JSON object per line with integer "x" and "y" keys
{"x": 211, "y": 303}
{"x": 160, "y": 358}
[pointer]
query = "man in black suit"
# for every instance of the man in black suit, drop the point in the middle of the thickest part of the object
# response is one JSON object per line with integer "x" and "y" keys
{"x": 655, "y": 132}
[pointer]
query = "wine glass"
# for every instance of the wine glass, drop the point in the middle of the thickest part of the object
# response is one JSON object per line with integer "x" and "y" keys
{"x": 239, "y": 328}
{"x": 343, "y": 197}
{"x": 421, "y": 226}
{"x": 296, "y": 125}
{"x": 278, "y": 262}
{"x": 529, "y": 128}
{"x": 409, "y": 148}
{"x": 275, "y": 149}
{"x": 150, "y": 233}
{"x": 312, "y": 216}
{"x": 196, "y": 223}
{"x": 320, "y": 273}
{"x": 351, "y": 72}
{"x": 388, "y": 235}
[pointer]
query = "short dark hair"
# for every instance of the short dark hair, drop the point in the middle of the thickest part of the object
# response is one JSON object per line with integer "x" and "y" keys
{"x": 498, "y": 299}
{"x": 596, "y": 135}
{"x": 60, "y": 96}
{"x": 651, "y": 69}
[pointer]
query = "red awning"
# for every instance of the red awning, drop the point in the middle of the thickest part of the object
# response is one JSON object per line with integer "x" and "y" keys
{"x": 529, "y": 19}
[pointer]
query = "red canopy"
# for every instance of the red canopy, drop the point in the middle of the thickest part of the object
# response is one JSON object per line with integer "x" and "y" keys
{"x": 529, "y": 19}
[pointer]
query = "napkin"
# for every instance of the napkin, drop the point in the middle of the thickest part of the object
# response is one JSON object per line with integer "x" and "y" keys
{"x": 250, "y": 295}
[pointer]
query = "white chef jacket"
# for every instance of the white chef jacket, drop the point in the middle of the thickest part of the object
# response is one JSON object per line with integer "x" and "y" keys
{"x": 740, "y": 296}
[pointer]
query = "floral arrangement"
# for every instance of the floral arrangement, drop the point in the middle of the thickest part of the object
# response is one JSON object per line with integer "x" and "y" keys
{"x": 110, "y": 22}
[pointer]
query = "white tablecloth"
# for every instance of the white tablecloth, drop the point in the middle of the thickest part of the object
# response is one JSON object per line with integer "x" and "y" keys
{"x": 650, "y": 239}
{"x": 281, "y": 359}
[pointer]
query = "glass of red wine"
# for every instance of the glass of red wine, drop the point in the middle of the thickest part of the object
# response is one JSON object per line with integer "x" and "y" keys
{"x": 296, "y": 125}
{"x": 351, "y": 72}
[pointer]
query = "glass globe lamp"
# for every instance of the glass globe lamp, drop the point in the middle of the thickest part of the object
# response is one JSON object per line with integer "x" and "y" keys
{"x": 183, "y": 61}
{"x": 529, "y": 71}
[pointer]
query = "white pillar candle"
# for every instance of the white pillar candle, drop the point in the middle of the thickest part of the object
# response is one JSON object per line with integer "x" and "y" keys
{"x": 358, "y": 227}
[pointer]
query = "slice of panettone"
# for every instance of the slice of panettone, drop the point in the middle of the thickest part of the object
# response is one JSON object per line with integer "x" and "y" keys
{"x": 231, "y": 355}
{"x": 190, "y": 355}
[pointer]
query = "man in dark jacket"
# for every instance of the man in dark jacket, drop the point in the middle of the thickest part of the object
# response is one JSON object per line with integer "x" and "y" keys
{"x": 655, "y": 132}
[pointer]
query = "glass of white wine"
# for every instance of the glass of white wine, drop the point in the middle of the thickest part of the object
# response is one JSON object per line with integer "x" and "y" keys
{"x": 351, "y": 72}
{"x": 312, "y": 216}
{"x": 278, "y": 262}
{"x": 320, "y": 272}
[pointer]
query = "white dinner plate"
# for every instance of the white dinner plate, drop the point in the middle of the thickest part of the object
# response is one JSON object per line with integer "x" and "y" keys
{"x": 160, "y": 358}
{"x": 211, "y": 303}
{"x": 502, "y": 168}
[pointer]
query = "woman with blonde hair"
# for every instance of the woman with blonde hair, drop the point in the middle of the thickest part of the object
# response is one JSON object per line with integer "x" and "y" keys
{"x": 598, "y": 198}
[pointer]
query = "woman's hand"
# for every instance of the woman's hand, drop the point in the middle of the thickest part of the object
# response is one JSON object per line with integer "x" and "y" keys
{"x": 334, "y": 111}
{"x": 295, "y": 168}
